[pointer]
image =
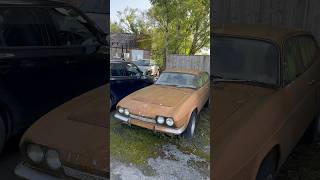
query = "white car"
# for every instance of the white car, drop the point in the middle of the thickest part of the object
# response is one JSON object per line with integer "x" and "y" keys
{"x": 148, "y": 67}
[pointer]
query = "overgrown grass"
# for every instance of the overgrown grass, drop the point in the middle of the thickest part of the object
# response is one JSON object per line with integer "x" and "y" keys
{"x": 136, "y": 145}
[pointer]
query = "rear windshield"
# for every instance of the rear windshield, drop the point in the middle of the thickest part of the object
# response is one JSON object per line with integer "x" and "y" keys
{"x": 245, "y": 59}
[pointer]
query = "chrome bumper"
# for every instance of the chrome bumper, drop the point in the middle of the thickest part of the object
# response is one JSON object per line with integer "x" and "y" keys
{"x": 156, "y": 128}
{"x": 26, "y": 172}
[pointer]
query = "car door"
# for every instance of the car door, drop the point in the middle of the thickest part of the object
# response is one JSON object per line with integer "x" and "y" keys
{"x": 119, "y": 81}
{"x": 79, "y": 44}
{"x": 298, "y": 95}
{"x": 136, "y": 78}
{"x": 203, "y": 91}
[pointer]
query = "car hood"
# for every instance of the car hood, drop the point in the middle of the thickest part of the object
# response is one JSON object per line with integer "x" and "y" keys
{"x": 78, "y": 130}
{"x": 229, "y": 99}
{"x": 156, "y": 98}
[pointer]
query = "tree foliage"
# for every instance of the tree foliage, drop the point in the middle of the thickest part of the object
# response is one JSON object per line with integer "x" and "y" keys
{"x": 176, "y": 26}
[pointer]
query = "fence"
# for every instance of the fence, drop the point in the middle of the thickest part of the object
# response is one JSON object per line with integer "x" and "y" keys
{"x": 200, "y": 63}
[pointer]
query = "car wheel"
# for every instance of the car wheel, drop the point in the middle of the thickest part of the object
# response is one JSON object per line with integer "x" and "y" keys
{"x": 2, "y": 134}
{"x": 207, "y": 105}
{"x": 267, "y": 170}
{"x": 312, "y": 134}
{"x": 189, "y": 132}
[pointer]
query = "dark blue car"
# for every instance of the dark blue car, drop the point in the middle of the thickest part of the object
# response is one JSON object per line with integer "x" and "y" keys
{"x": 125, "y": 78}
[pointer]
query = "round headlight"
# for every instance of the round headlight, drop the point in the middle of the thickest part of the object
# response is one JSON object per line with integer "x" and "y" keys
{"x": 121, "y": 110}
{"x": 160, "y": 120}
{"x": 169, "y": 122}
{"x": 35, "y": 153}
{"x": 53, "y": 160}
{"x": 126, "y": 112}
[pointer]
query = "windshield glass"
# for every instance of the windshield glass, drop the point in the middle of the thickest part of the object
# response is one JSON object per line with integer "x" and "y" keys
{"x": 177, "y": 79}
{"x": 245, "y": 59}
{"x": 142, "y": 62}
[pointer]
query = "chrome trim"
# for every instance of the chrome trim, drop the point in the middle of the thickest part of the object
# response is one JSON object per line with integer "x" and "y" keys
{"x": 157, "y": 127}
{"x": 26, "y": 172}
{"x": 145, "y": 119}
{"x": 81, "y": 175}
{"x": 121, "y": 117}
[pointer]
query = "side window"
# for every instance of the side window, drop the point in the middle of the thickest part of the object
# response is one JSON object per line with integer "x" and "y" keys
{"x": 308, "y": 49}
{"x": 71, "y": 27}
{"x": 22, "y": 27}
{"x": 293, "y": 66}
{"x": 117, "y": 69}
{"x": 132, "y": 70}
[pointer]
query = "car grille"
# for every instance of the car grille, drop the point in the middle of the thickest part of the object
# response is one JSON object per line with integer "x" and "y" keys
{"x": 81, "y": 175}
{"x": 141, "y": 118}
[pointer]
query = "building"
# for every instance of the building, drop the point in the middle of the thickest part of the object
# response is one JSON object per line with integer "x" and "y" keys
{"x": 127, "y": 46}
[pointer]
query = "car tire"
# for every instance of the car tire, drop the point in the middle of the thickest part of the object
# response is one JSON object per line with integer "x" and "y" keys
{"x": 189, "y": 132}
{"x": 2, "y": 134}
{"x": 267, "y": 170}
{"x": 312, "y": 134}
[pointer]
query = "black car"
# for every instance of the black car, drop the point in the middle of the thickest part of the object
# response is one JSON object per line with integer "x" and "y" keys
{"x": 125, "y": 78}
{"x": 50, "y": 52}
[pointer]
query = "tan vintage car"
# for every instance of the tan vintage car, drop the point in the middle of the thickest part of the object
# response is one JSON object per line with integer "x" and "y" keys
{"x": 169, "y": 106}
{"x": 70, "y": 142}
{"x": 265, "y": 89}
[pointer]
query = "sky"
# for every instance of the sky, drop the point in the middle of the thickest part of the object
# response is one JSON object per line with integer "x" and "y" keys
{"x": 120, "y": 5}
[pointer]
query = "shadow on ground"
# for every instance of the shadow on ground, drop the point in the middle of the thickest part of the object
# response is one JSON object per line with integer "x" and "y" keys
{"x": 137, "y": 153}
{"x": 302, "y": 164}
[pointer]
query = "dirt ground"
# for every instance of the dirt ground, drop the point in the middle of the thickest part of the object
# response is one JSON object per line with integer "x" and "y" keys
{"x": 138, "y": 153}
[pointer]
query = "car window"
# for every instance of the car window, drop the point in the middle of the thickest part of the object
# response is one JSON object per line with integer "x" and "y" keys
{"x": 308, "y": 49}
{"x": 245, "y": 59}
{"x": 117, "y": 69}
{"x": 22, "y": 27}
{"x": 132, "y": 70}
{"x": 72, "y": 28}
{"x": 292, "y": 60}
{"x": 179, "y": 80}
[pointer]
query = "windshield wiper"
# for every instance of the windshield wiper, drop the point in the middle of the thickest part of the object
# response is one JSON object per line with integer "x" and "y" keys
{"x": 164, "y": 84}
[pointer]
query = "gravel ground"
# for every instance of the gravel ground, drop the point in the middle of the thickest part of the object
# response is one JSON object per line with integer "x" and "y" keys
{"x": 138, "y": 153}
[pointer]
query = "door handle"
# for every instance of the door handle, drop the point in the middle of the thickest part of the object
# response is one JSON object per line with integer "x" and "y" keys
{"x": 6, "y": 55}
{"x": 312, "y": 82}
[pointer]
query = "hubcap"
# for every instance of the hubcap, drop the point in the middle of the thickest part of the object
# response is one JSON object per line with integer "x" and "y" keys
{"x": 193, "y": 125}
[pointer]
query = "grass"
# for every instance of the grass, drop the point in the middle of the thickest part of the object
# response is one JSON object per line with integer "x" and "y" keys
{"x": 136, "y": 145}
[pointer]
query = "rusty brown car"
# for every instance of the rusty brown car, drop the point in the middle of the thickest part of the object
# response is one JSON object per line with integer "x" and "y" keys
{"x": 265, "y": 88}
{"x": 169, "y": 106}
{"x": 69, "y": 142}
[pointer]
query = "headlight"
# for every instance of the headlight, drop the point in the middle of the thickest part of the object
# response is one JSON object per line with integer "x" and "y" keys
{"x": 53, "y": 160}
{"x": 169, "y": 122}
{"x": 160, "y": 120}
{"x": 121, "y": 110}
{"x": 35, "y": 153}
{"x": 126, "y": 112}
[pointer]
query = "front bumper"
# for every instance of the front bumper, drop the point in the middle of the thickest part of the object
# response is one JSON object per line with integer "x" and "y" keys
{"x": 149, "y": 125}
{"x": 26, "y": 172}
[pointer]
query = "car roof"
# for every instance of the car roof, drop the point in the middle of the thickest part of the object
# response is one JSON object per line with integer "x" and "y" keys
{"x": 187, "y": 71}
{"x": 33, "y": 2}
{"x": 276, "y": 34}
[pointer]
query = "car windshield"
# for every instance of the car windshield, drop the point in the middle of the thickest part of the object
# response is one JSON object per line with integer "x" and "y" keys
{"x": 182, "y": 80}
{"x": 245, "y": 59}
{"x": 142, "y": 62}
